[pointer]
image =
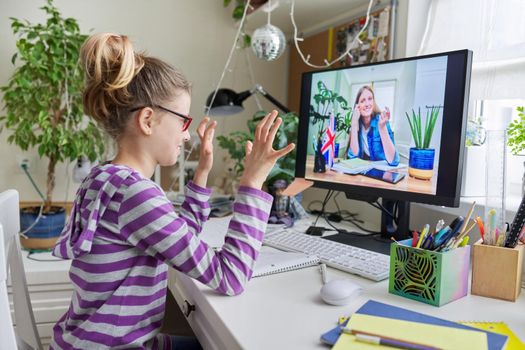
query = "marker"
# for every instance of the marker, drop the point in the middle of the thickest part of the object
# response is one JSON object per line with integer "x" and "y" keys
{"x": 464, "y": 241}
{"x": 414, "y": 239}
{"x": 481, "y": 229}
{"x": 423, "y": 234}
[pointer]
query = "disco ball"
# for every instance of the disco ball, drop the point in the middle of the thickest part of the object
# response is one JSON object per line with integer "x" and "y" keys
{"x": 268, "y": 42}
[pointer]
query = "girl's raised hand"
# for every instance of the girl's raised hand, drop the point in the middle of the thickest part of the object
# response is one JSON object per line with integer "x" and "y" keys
{"x": 260, "y": 155}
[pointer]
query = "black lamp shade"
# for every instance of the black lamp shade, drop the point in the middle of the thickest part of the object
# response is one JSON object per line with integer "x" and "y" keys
{"x": 226, "y": 102}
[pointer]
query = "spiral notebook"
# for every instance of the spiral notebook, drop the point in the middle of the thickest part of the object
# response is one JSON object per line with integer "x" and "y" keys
{"x": 272, "y": 261}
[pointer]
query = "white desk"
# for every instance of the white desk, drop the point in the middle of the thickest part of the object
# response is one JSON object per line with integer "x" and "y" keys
{"x": 285, "y": 311}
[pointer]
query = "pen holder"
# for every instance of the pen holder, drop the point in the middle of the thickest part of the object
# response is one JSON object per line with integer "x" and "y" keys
{"x": 496, "y": 271}
{"x": 435, "y": 278}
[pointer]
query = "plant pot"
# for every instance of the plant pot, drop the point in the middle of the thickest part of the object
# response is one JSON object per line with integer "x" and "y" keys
{"x": 44, "y": 234}
{"x": 421, "y": 163}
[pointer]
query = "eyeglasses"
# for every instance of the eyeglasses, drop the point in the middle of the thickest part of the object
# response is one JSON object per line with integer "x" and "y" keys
{"x": 187, "y": 118}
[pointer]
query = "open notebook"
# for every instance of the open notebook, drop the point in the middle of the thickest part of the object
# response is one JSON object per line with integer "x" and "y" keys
{"x": 272, "y": 261}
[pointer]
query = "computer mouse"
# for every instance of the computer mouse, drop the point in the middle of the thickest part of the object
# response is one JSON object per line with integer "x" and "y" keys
{"x": 340, "y": 291}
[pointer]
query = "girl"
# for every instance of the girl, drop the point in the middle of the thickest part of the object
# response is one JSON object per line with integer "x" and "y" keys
{"x": 371, "y": 137}
{"x": 123, "y": 231}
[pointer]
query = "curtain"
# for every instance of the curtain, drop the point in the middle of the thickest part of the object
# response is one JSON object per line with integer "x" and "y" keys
{"x": 494, "y": 30}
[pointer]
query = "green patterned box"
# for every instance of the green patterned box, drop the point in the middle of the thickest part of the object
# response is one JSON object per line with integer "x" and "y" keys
{"x": 431, "y": 277}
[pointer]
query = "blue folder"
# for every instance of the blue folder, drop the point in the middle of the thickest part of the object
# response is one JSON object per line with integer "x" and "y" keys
{"x": 375, "y": 308}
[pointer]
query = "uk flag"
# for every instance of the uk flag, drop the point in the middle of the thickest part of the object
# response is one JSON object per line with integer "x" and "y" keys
{"x": 328, "y": 148}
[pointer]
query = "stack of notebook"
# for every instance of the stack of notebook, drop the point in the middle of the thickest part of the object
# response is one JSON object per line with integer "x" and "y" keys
{"x": 392, "y": 322}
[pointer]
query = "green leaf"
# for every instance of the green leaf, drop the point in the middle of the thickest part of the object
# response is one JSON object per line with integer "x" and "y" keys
{"x": 226, "y": 3}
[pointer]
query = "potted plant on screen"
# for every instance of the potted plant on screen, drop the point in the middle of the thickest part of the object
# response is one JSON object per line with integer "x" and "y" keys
{"x": 43, "y": 111}
{"x": 326, "y": 102}
{"x": 421, "y": 158}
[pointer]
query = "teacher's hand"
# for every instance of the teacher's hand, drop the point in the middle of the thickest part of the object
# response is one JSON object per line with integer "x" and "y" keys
{"x": 384, "y": 118}
{"x": 356, "y": 114}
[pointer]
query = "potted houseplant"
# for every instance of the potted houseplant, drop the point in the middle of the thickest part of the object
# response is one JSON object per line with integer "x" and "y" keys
{"x": 516, "y": 139}
{"x": 421, "y": 157}
{"x": 43, "y": 109}
{"x": 330, "y": 102}
{"x": 285, "y": 166}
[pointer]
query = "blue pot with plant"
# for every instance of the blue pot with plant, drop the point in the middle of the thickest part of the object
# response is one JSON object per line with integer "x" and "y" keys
{"x": 421, "y": 158}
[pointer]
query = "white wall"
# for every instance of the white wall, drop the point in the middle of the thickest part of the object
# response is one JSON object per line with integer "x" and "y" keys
{"x": 195, "y": 36}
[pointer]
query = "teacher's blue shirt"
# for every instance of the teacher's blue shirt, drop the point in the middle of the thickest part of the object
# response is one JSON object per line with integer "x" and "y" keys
{"x": 375, "y": 146}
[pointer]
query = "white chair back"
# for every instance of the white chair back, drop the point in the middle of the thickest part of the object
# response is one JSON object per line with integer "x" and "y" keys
{"x": 8, "y": 339}
{"x": 26, "y": 331}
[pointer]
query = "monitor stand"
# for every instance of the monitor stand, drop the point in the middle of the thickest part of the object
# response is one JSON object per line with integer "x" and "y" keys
{"x": 381, "y": 241}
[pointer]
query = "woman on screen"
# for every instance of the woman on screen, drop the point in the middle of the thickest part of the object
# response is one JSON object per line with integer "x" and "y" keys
{"x": 371, "y": 137}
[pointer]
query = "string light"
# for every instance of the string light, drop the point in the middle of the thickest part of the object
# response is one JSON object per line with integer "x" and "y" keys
{"x": 343, "y": 55}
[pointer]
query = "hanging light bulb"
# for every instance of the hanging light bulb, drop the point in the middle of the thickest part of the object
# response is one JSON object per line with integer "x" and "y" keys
{"x": 268, "y": 41}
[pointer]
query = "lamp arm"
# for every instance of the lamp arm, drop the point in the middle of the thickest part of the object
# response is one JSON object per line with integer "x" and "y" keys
{"x": 258, "y": 88}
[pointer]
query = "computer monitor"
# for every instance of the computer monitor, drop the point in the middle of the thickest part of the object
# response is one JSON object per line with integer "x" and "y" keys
{"x": 408, "y": 142}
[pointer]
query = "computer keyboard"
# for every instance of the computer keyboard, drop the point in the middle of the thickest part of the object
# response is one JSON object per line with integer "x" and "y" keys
{"x": 371, "y": 265}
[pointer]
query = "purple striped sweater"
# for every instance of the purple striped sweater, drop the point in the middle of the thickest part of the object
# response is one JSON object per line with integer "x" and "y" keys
{"x": 122, "y": 234}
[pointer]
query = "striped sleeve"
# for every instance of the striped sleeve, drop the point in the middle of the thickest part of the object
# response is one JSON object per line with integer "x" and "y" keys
{"x": 147, "y": 220}
{"x": 195, "y": 209}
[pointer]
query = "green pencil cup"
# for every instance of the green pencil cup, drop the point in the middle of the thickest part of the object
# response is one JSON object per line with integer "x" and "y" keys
{"x": 435, "y": 278}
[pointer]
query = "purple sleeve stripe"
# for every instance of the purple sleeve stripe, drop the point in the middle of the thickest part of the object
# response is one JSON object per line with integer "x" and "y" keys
{"x": 242, "y": 246}
{"x": 198, "y": 189}
{"x": 101, "y": 287}
{"x": 117, "y": 265}
{"x": 198, "y": 215}
{"x": 103, "y": 338}
{"x": 179, "y": 246}
{"x": 84, "y": 214}
{"x": 138, "y": 198}
{"x": 159, "y": 235}
{"x": 237, "y": 262}
{"x": 195, "y": 201}
{"x": 111, "y": 216}
{"x": 196, "y": 228}
{"x": 95, "y": 185}
{"x": 120, "y": 320}
{"x": 251, "y": 211}
{"x": 61, "y": 342}
{"x": 210, "y": 273}
{"x": 105, "y": 198}
{"x": 147, "y": 218}
{"x": 194, "y": 259}
{"x": 255, "y": 192}
{"x": 249, "y": 230}
{"x": 123, "y": 300}
{"x": 116, "y": 180}
{"x": 231, "y": 280}
{"x": 109, "y": 248}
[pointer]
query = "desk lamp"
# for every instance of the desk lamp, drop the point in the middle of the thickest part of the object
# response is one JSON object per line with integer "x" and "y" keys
{"x": 228, "y": 102}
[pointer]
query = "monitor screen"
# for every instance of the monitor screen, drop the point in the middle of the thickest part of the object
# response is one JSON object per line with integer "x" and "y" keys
{"x": 392, "y": 129}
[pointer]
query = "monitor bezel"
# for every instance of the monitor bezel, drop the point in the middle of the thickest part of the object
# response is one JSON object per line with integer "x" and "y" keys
{"x": 457, "y": 87}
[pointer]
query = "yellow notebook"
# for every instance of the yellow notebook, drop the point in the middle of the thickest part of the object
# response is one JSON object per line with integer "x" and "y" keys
{"x": 420, "y": 333}
{"x": 513, "y": 343}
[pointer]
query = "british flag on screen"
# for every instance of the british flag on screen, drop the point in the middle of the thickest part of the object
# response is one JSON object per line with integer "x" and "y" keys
{"x": 328, "y": 148}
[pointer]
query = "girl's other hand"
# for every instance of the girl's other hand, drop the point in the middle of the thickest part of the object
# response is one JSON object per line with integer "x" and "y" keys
{"x": 206, "y": 130}
{"x": 260, "y": 155}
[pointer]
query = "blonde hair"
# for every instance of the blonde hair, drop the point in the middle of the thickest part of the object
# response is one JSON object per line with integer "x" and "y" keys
{"x": 117, "y": 79}
{"x": 376, "y": 108}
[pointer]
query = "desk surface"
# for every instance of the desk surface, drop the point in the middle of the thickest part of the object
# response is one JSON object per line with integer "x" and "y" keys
{"x": 285, "y": 311}
{"x": 408, "y": 183}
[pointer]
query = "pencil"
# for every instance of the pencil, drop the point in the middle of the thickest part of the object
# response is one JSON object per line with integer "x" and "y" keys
{"x": 371, "y": 338}
{"x": 468, "y": 218}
